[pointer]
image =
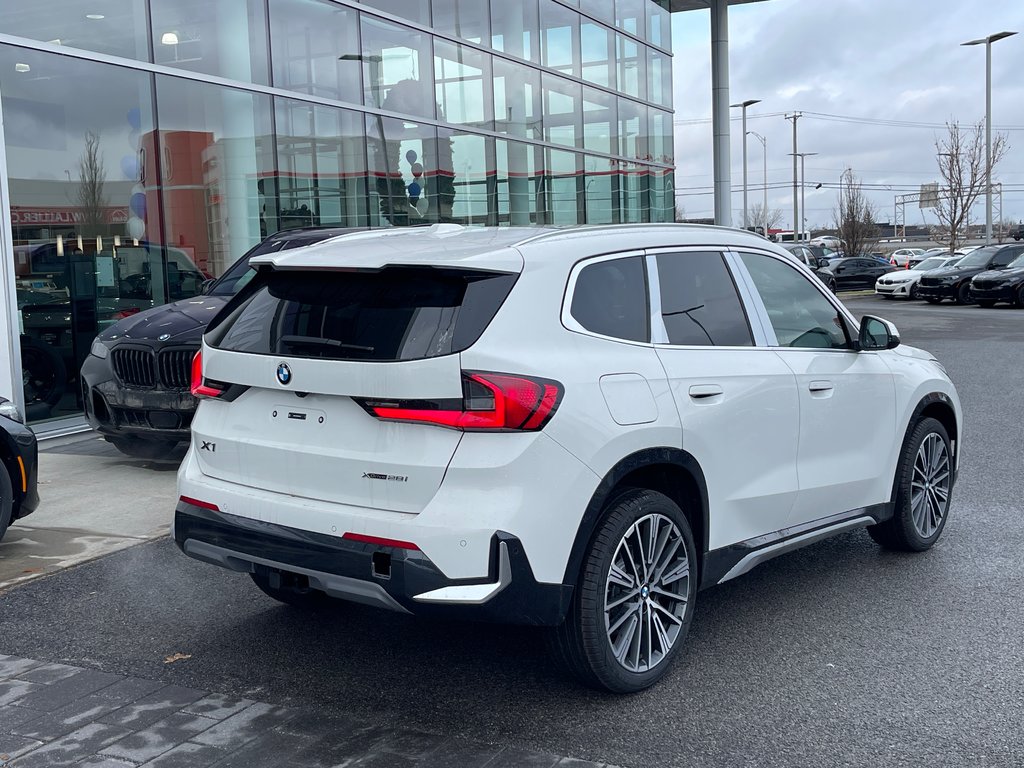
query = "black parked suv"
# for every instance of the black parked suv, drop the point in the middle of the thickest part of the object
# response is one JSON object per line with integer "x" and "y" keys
{"x": 135, "y": 381}
{"x": 854, "y": 272}
{"x": 18, "y": 460}
{"x": 955, "y": 282}
{"x": 988, "y": 288}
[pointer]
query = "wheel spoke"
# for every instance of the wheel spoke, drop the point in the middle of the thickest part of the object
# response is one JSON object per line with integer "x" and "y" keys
{"x": 658, "y": 606}
{"x": 625, "y": 598}
{"x": 664, "y": 643}
{"x": 626, "y": 639}
{"x": 622, "y": 619}
{"x": 618, "y": 576}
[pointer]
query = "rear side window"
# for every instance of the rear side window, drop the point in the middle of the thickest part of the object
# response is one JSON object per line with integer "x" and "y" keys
{"x": 393, "y": 314}
{"x": 610, "y": 298}
{"x": 699, "y": 302}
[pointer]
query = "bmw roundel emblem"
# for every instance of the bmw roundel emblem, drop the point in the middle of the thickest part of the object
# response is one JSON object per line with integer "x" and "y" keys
{"x": 163, "y": 337}
{"x": 284, "y": 373}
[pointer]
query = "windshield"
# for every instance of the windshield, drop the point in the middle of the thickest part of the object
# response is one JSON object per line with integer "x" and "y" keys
{"x": 932, "y": 262}
{"x": 978, "y": 258}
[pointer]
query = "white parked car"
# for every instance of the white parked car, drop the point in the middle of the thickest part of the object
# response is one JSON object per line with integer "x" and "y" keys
{"x": 578, "y": 428}
{"x": 905, "y": 257}
{"x": 903, "y": 284}
{"x": 829, "y": 241}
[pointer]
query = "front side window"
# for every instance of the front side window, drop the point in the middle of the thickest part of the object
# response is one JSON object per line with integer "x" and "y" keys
{"x": 800, "y": 314}
{"x": 699, "y": 303}
{"x": 610, "y": 299}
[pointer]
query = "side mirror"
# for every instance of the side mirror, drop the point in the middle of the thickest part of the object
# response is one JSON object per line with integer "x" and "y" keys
{"x": 822, "y": 263}
{"x": 204, "y": 287}
{"x": 876, "y": 333}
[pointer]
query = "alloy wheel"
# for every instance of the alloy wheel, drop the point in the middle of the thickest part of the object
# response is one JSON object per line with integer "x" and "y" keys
{"x": 647, "y": 592}
{"x": 929, "y": 487}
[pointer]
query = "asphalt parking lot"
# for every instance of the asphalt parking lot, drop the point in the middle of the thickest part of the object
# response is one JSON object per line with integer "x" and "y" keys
{"x": 839, "y": 654}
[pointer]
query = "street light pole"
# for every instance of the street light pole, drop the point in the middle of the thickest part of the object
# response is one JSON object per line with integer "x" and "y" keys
{"x": 744, "y": 105}
{"x": 764, "y": 149}
{"x": 988, "y": 124}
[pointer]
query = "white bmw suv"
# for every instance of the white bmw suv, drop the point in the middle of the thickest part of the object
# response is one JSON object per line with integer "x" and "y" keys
{"x": 576, "y": 428}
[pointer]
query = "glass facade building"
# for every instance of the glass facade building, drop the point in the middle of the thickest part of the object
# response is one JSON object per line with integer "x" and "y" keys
{"x": 147, "y": 144}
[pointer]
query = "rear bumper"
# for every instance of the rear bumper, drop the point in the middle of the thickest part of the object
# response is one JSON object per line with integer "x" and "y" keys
{"x": 403, "y": 580}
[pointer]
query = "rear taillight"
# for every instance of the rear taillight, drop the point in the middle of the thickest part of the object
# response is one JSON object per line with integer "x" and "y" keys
{"x": 121, "y": 314}
{"x": 200, "y": 386}
{"x": 490, "y": 402}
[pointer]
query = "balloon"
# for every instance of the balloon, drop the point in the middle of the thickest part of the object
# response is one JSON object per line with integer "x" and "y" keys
{"x": 136, "y": 228}
{"x": 137, "y": 204}
{"x": 411, "y": 156}
{"x": 417, "y": 170}
{"x": 130, "y": 166}
{"x": 134, "y": 118}
{"x": 414, "y": 191}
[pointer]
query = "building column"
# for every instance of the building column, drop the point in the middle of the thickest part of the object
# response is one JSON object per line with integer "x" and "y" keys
{"x": 10, "y": 328}
{"x": 720, "y": 110}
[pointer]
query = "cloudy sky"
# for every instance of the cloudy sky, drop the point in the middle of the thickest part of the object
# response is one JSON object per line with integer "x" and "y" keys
{"x": 890, "y": 65}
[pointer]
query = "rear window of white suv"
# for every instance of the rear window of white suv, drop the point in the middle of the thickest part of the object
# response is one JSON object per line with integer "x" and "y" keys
{"x": 397, "y": 313}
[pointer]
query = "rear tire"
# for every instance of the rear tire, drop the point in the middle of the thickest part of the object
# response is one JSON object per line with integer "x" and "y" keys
{"x": 923, "y": 492}
{"x": 633, "y": 604}
{"x": 140, "y": 448}
{"x": 913, "y": 292}
{"x": 963, "y": 294}
{"x": 1020, "y": 297}
{"x": 275, "y": 585}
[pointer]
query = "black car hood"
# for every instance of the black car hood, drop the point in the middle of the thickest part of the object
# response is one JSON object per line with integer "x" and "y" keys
{"x": 1002, "y": 274}
{"x": 180, "y": 321}
{"x": 954, "y": 271}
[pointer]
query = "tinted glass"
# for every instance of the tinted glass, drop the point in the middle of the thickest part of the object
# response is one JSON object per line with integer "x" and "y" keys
{"x": 610, "y": 298}
{"x": 316, "y": 48}
{"x": 1004, "y": 257}
{"x": 801, "y": 316}
{"x": 394, "y": 314}
{"x": 699, "y": 303}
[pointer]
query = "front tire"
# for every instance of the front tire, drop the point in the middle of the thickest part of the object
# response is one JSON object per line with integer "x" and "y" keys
{"x": 913, "y": 292}
{"x": 923, "y": 492}
{"x": 1020, "y": 297}
{"x": 963, "y": 294}
{"x": 634, "y": 601}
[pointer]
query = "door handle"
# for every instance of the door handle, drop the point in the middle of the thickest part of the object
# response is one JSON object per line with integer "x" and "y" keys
{"x": 821, "y": 388}
{"x": 705, "y": 391}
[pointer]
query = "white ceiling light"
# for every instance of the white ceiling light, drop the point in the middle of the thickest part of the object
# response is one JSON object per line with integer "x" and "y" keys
{"x": 169, "y": 38}
{"x": 95, "y": 16}
{"x": 19, "y": 67}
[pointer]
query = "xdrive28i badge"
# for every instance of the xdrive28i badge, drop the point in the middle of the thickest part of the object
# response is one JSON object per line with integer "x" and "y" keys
{"x": 284, "y": 373}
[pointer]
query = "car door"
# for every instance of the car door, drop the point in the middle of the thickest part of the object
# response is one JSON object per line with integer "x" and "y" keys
{"x": 737, "y": 402}
{"x": 847, "y": 398}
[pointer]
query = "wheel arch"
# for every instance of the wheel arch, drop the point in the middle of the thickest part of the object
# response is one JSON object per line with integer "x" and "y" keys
{"x": 8, "y": 457}
{"x": 670, "y": 471}
{"x": 938, "y": 406}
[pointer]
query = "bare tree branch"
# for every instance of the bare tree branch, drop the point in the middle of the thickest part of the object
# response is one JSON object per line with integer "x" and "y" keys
{"x": 854, "y": 217}
{"x": 92, "y": 177}
{"x": 758, "y": 217}
{"x": 961, "y": 158}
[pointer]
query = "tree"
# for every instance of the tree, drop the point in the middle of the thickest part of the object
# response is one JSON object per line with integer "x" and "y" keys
{"x": 92, "y": 176}
{"x": 770, "y": 221}
{"x": 854, "y": 216}
{"x": 961, "y": 158}
{"x": 680, "y": 212}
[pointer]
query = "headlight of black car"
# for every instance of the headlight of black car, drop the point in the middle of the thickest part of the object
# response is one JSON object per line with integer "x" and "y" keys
{"x": 99, "y": 349}
{"x": 10, "y": 411}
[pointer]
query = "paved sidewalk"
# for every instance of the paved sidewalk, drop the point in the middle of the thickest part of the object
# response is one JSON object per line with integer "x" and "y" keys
{"x": 60, "y": 715}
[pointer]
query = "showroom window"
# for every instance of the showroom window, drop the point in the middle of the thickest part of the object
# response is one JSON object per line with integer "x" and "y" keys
{"x": 562, "y": 111}
{"x": 560, "y": 37}
{"x": 316, "y": 49}
{"x": 111, "y": 27}
{"x": 517, "y": 99}
{"x": 397, "y": 68}
{"x": 227, "y": 38}
{"x": 462, "y": 77}
{"x": 515, "y": 28}
{"x": 468, "y": 19}
{"x": 413, "y": 10}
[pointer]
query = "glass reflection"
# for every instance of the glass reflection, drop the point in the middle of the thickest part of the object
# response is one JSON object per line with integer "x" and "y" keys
{"x": 659, "y": 78}
{"x": 631, "y": 62}
{"x": 397, "y": 68}
{"x": 634, "y": 181}
{"x": 563, "y": 193}
{"x": 519, "y": 183}
{"x": 316, "y": 48}
{"x": 514, "y": 28}
{"x": 462, "y": 79}
{"x": 467, "y": 19}
{"x": 560, "y": 37}
{"x": 414, "y": 10}
{"x": 473, "y": 185}
{"x": 517, "y": 99}
{"x": 412, "y": 172}
{"x": 321, "y": 160}
{"x": 599, "y": 121}
{"x": 599, "y": 191}
{"x": 227, "y": 38}
{"x": 598, "y": 54}
{"x": 113, "y": 27}
{"x": 562, "y": 111}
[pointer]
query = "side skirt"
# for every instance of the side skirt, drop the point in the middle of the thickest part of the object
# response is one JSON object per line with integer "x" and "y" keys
{"x": 727, "y": 563}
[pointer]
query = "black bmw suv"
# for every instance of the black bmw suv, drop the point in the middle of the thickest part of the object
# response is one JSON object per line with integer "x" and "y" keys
{"x": 955, "y": 282}
{"x": 988, "y": 288}
{"x": 135, "y": 381}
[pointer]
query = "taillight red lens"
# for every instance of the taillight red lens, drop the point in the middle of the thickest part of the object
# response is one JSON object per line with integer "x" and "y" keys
{"x": 490, "y": 401}
{"x": 123, "y": 313}
{"x": 200, "y": 387}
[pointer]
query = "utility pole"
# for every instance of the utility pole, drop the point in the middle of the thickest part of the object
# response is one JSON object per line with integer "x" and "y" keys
{"x": 796, "y": 209}
{"x": 803, "y": 188}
